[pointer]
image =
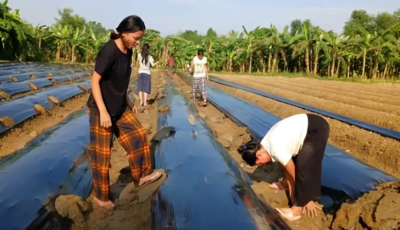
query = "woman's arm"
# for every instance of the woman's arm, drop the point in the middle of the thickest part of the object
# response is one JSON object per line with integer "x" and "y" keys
{"x": 191, "y": 66}
{"x": 289, "y": 171}
{"x": 130, "y": 103}
{"x": 98, "y": 98}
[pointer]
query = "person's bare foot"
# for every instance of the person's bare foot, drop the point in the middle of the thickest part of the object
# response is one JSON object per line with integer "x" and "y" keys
{"x": 105, "y": 204}
{"x": 149, "y": 178}
{"x": 296, "y": 210}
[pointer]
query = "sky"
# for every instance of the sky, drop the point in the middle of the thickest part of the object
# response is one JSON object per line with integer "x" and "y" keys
{"x": 173, "y": 16}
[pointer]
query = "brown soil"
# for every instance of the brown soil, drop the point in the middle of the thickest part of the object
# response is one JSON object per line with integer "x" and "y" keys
{"x": 231, "y": 137}
{"x": 371, "y": 148}
{"x": 333, "y": 100}
{"x": 133, "y": 208}
{"x": 377, "y": 210}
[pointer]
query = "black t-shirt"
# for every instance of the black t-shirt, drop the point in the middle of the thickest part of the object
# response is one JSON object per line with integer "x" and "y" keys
{"x": 114, "y": 67}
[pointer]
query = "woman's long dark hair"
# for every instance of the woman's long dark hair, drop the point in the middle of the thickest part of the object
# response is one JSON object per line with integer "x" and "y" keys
{"x": 145, "y": 53}
{"x": 131, "y": 23}
{"x": 248, "y": 151}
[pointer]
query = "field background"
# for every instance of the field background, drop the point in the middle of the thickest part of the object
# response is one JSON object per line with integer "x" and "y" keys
{"x": 355, "y": 74}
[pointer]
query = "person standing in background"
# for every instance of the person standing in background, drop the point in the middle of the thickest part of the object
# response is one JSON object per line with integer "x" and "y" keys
{"x": 144, "y": 78}
{"x": 171, "y": 63}
{"x": 200, "y": 67}
{"x": 112, "y": 112}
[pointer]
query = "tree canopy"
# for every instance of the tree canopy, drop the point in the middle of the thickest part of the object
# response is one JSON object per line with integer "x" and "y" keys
{"x": 368, "y": 47}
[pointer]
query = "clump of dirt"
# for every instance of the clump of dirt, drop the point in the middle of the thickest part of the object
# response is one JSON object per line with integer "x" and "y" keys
{"x": 7, "y": 121}
{"x": 376, "y": 210}
{"x": 73, "y": 208}
{"x": 39, "y": 108}
{"x": 164, "y": 108}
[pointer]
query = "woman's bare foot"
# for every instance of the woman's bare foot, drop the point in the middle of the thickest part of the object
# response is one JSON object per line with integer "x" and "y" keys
{"x": 296, "y": 210}
{"x": 280, "y": 185}
{"x": 105, "y": 204}
{"x": 149, "y": 178}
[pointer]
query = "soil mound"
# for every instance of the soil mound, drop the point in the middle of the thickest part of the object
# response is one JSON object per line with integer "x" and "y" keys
{"x": 376, "y": 210}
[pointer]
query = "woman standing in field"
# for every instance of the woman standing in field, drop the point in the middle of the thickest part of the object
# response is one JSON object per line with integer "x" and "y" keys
{"x": 144, "y": 81}
{"x": 112, "y": 112}
{"x": 199, "y": 65}
{"x": 298, "y": 144}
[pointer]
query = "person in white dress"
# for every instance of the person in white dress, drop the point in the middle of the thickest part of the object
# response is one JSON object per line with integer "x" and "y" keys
{"x": 144, "y": 78}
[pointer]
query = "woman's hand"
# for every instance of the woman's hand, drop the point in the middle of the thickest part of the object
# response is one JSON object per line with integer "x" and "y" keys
{"x": 105, "y": 119}
{"x": 311, "y": 209}
{"x": 134, "y": 109}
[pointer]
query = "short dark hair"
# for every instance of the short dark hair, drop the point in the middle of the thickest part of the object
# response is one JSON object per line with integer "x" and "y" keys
{"x": 131, "y": 23}
{"x": 200, "y": 52}
{"x": 248, "y": 151}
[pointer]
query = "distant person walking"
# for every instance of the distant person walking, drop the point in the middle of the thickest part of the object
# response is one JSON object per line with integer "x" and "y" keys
{"x": 171, "y": 63}
{"x": 109, "y": 112}
{"x": 144, "y": 79}
{"x": 200, "y": 67}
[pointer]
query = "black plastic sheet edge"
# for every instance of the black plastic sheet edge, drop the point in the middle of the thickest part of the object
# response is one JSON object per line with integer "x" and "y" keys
{"x": 364, "y": 125}
{"x": 343, "y": 176}
{"x": 22, "y": 108}
{"x": 54, "y": 163}
{"x": 205, "y": 188}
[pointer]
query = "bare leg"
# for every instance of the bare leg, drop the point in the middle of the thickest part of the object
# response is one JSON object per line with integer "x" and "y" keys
{"x": 144, "y": 98}
{"x": 141, "y": 98}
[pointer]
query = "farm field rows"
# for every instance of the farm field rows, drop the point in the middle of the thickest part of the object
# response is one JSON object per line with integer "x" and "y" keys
{"x": 21, "y": 134}
{"x": 231, "y": 136}
{"x": 24, "y": 99}
{"x": 372, "y": 148}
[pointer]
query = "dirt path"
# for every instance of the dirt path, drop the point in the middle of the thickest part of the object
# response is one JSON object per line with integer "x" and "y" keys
{"x": 325, "y": 102}
{"x": 129, "y": 212}
{"x": 231, "y": 137}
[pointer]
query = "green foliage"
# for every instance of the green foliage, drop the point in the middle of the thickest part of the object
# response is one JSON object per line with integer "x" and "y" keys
{"x": 71, "y": 38}
{"x": 368, "y": 48}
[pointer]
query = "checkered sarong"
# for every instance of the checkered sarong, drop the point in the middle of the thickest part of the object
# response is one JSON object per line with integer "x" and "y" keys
{"x": 132, "y": 137}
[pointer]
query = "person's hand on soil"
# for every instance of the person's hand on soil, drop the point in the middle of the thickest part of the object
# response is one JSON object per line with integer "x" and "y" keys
{"x": 105, "y": 119}
{"x": 311, "y": 209}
